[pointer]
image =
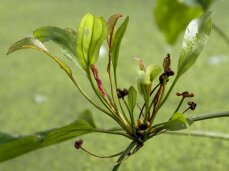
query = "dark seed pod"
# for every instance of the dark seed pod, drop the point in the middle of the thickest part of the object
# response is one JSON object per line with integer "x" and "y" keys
{"x": 78, "y": 144}
{"x": 143, "y": 125}
{"x": 122, "y": 93}
{"x": 192, "y": 105}
{"x": 166, "y": 63}
{"x": 185, "y": 94}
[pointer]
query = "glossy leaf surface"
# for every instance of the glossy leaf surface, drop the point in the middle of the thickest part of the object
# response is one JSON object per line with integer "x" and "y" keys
{"x": 177, "y": 122}
{"x": 195, "y": 38}
{"x": 12, "y": 146}
{"x": 63, "y": 37}
{"x": 91, "y": 33}
{"x": 32, "y": 43}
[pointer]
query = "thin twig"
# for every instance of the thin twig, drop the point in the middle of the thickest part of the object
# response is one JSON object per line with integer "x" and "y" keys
{"x": 209, "y": 116}
{"x": 207, "y": 134}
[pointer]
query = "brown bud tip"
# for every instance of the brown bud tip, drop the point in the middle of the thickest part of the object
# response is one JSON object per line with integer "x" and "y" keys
{"x": 143, "y": 125}
{"x": 170, "y": 73}
{"x": 78, "y": 144}
{"x": 166, "y": 63}
{"x": 125, "y": 92}
{"x": 119, "y": 93}
{"x": 185, "y": 94}
{"x": 178, "y": 94}
{"x": 192, "y": 105}
{"x": 122, "y": 93}
{"x": 191, "y": 95}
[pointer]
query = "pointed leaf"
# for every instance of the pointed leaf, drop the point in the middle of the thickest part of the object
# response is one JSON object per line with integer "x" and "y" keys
{"x": 6, "y": 137}
{"x": 195, "y": 38}
{"x": 173, "y": 16}
{"x": 177, "y": 122}
{"x": 142, "y": 84}
{"x": 153, "y": 71}
{"x": 31, "y": 43}
{"x": 132, "y": 98}
{"x": 91, "y": 33}
{"x": 111, "y": 27}
{"x": 141, "y": 64}
{"x": 63, "y": 37}
{"x": 13, "y": 146}
{"x": 27, "y": 43}
{"x": 117, "y": 42}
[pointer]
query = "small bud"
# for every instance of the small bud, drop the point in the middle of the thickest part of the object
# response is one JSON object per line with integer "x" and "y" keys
{"x": 162, "y": 77}
{"x": 185, "y": 94}
{"x": 122, "y": 93}
{"x": 192, "y": 105}
{"x": 78, "y": 144}
{"x": 178, "y": 94}
{"x": 143, "y": 125}
{"x": 191, "y": 95}
{"x": 170, "y": 73}
{"x": 166, "y": 63}
{"x": 141, "y": 64}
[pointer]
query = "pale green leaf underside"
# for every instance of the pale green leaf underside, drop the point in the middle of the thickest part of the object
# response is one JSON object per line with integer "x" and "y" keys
{"x": 195, "y": 38}
{"x": 91, "y": 33}
{"x": 65, "y": 38}
{"x": 32, "y": 43}
{"x": 62, "y": 37}
{"x": 12, "y": 146}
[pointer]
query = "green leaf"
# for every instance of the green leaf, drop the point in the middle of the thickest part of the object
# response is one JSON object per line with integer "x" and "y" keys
{"x": 63, "y": 37}
{"x": 13, "y": 146}
{"x": 173, "y": 16}
{"x": 152, "y": 72}
{"x": 27, "y": 43}
{"x": 132, "y": 98}
{"x": 146, "y": 78}
{"x": 91, "y": 33}
{"x": 111, "y": 27}
{"x": 177, "y": 122}
{"x": 32, "y": 43}
{"x": 117, "y": 42}
{"x": 6, "y": 137}
{"x": 143, "y": 88}
{"x": 195, "y": 38}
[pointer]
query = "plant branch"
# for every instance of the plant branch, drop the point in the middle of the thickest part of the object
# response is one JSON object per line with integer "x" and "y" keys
{"x": 112, "y": 131}
{"x": 124, "y": 154}
{"x": 169, "y": 91}
{"x": 207, "y": 134}
{"x": 209, "y": 116}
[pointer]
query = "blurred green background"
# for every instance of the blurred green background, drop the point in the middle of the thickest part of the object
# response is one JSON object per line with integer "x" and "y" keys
{"x": 36, "y": 95}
